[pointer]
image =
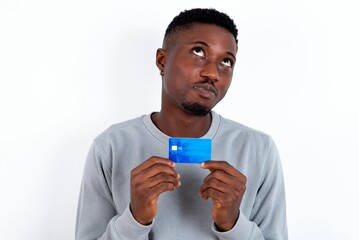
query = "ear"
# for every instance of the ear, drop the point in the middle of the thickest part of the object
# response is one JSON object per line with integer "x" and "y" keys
{"x": 160, "y": 59}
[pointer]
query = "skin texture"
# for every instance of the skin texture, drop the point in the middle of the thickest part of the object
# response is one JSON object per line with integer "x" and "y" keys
{"x": 153, "y": 177}
{"x": 225, "y": 186}
{"x": 191, "y": 57}
{"x": 197, "y": 65}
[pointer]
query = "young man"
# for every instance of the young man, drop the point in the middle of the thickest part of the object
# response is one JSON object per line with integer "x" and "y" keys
{"x": 131, "y": 190}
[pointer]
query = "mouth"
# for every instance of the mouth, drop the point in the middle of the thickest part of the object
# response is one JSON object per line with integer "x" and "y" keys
{"x": 206, "y": 90}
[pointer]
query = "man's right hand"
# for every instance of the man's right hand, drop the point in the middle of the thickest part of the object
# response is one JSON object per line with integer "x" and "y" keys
{"x": 148, "y": 180}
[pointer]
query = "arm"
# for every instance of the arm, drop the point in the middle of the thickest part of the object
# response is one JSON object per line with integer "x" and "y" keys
{"x": 268, "y": 216}
{"x": 97, "y": 217}
{"x": 151, "y": 178}
{"x": 225, "y": 186}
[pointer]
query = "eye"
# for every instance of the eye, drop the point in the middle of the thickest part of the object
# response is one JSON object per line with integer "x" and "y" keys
{"x": 198, "y": 51}
{"x": 227, "y": 62}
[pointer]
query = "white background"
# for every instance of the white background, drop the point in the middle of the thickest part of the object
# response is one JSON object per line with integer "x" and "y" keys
{"x": 69, "y": 69}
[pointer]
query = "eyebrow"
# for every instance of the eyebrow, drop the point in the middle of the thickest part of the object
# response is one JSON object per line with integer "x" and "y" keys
{"x": 205, "y": 44}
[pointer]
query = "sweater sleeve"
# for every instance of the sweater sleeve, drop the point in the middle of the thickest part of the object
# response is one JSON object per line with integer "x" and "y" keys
{"x": 97, "y": 217}
{"x": 267, "y": 220}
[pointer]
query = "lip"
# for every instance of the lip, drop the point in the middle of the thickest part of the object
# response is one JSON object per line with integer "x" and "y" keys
{"x": 206, "y": 90}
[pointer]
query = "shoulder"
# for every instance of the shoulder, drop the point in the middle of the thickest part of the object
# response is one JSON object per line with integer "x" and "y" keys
{"x": 240, "y": 136}
{"x": 122, "y": 126}
{"x": 119, "y": 132}
{"x": 244, "y": 139}
{"x": 230, "y": 127}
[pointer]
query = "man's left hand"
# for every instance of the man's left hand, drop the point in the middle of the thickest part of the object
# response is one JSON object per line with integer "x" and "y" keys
{"x": 225, "y": 185}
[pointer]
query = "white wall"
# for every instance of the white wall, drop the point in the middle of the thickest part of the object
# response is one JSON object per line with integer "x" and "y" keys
{"x": 69, "y": 69}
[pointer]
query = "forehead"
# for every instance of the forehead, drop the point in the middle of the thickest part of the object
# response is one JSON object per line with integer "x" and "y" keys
{"x": 211, "y": 34}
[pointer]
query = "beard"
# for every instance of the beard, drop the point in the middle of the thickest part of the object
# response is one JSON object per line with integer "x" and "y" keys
{"x": 196, "y": 109}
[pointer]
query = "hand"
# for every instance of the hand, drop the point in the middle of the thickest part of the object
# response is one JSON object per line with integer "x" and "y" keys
{"x": 148, "y": 180}
{"x": 225, "y": 185}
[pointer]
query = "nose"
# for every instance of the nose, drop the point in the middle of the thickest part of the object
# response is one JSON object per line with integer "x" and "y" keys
{"x": 210, "y": 72}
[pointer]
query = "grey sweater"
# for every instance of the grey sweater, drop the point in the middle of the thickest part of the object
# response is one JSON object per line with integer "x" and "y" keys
{"x": 103, "y": 210}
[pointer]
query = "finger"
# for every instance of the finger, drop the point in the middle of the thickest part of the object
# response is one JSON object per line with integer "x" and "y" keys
{"x": 153, "y": 176}
{"x": 155, "y": 185}
{"x": 221, "y": 165}
{"x": 152, "y": 161}
{"x": 212, "y": 193}
{"x": 217, "y": 185}
{"x": 232, "y": 192}
{"x": 160, "y": 188}
{"x": 226, "y": 178}
{"x": 161, "y": 178}
{"x": 156, "y": 169}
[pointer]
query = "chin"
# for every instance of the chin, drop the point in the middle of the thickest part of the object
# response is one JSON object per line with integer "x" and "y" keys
{"x": 196, "y": 109}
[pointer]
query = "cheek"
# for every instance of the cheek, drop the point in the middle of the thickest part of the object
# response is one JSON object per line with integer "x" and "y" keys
{"x": 224, "y": 85}
{"x": 182, "y": 76}
{"x": 225, "y": 80}
{"x": 174, "y": 83}
{"x": 184, "y": 66}
{"x": 186, "y": 69}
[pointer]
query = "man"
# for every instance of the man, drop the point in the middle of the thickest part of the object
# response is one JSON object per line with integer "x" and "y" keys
{"x": 131, "y": 190}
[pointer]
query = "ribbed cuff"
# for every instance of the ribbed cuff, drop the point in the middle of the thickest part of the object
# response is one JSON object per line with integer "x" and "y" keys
{"x": 241, "y": 230}
{"x": 128, "y": 228}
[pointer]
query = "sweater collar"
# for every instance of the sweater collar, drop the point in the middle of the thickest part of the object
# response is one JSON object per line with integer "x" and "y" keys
{"x": 154, "y": 131}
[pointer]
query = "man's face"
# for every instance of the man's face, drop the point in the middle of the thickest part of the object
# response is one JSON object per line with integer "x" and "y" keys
{"x": 198, "y": 66}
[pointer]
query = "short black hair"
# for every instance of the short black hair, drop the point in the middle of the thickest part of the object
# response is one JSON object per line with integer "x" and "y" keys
{"x": 186, "y": 18}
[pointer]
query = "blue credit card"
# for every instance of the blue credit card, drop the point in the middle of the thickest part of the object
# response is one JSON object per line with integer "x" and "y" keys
{"x": 190, "y": 150}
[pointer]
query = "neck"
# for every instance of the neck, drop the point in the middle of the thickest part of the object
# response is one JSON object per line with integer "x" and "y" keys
{"x": 182, "y": 124}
